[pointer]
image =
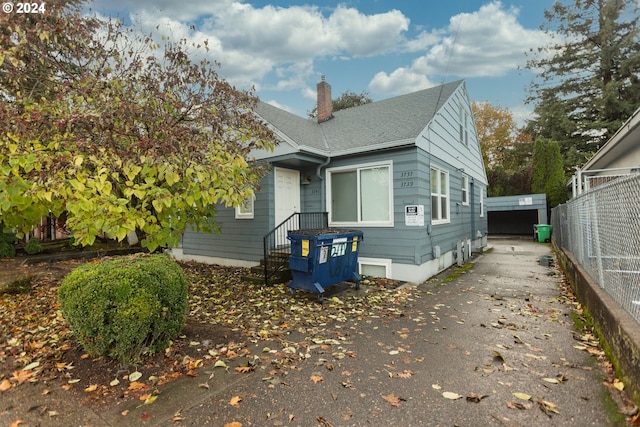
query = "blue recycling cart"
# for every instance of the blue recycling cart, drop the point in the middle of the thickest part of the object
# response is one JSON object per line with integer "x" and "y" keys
{"x": 323, "y": 257}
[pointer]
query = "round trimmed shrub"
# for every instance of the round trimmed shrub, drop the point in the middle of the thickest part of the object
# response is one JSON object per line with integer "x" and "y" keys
{"x": 33, "y": 247}
{"x": 126, "y": 306}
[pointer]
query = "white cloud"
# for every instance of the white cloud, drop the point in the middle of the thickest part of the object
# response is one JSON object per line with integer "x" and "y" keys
{"x": 487, "y": 43}
{"x": 252, "y": 42}
{"x": 521, "y": 114}
{"x": 400, "y": 81}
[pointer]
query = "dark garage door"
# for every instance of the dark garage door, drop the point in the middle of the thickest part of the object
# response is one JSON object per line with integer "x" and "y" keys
{"x": 512, "y": 222}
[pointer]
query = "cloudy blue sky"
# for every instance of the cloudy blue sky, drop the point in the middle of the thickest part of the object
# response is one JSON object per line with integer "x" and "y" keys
{"x": 382, "y": 47}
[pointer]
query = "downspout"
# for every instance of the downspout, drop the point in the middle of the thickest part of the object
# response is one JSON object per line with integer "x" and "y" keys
{"x": 473, "y": 217}
{"x": 323, "y": 191}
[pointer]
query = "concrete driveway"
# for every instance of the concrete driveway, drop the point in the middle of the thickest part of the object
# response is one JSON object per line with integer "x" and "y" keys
{"x": 495, "y": 346}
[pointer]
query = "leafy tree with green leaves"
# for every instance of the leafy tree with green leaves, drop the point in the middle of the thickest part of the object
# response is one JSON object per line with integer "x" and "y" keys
{"x": 506, "y": 151}
{"x": 589, "y": 75}
{"x": 548, "y": 172}
{"x": 119, "y": 132}
{"x": 347, "y": 100}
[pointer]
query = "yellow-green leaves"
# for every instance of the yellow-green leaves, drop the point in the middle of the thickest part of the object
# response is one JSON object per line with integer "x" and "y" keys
{"x": 144, "y": 144}
{"x": 131, "y": 171}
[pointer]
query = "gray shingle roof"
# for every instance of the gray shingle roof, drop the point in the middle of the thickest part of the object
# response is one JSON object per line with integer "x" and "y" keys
{"x": 393, "y": 121}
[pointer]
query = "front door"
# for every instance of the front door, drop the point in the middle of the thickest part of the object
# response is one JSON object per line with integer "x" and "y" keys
{"x": 287, "y": 196}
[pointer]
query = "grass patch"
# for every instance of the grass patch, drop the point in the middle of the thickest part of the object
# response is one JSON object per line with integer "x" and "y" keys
{"x": 455, "y": 273}
{"x": 583, "y": 323}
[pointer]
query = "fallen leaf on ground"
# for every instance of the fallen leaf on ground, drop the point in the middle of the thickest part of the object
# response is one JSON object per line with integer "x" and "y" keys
{"x": 92, "y": 387}
{"x": 21, "y": 376}
{"x": 136, "y": 386}
{"x": 405, "y": 374}
{"x": 548, "y": 407}
{"x": 233, "y": 424}
{"x": 522, "y": 396}
{"x": 515, "y": 405}
{"x": 324, "y": 422}
{"x": 451, "y": 396}
{"x": 235, "y": 401}
{"x": 5, "y": 385}
{"x": 316, "y": 378}
{"x": 31, "y": 366}
{"x": 498, "y": 356}
{"x": 475, "y": 398}
{"x": 149, "y": 400}
{"x": 392, "y": 399}
{"x": 135, "y": 376}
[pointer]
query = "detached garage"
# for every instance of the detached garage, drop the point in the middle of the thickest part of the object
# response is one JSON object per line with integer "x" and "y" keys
{"x": 516, "y": 215}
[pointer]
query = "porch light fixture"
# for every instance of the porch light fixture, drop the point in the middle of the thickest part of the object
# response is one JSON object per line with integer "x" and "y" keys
{"x": 306, "y": 180}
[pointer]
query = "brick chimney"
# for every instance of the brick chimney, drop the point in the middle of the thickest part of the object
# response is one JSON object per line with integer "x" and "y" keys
{"x": 325, "y": 106}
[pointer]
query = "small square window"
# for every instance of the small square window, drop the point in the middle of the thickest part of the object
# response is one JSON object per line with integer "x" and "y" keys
{"x": 245, "y": 209}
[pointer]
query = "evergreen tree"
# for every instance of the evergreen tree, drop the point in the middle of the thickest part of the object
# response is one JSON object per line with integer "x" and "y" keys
{"x": 548, "y": 172}
{"x": 590, "y": 79}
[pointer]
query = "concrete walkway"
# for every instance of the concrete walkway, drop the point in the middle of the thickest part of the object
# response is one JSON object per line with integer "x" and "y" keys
{"x": 464, "y": 353}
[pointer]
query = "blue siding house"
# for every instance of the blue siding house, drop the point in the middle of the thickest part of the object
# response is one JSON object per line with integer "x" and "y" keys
{"x": 407, "y": 171}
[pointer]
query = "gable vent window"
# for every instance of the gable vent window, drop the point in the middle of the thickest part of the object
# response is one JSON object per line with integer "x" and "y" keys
{"x": 464, "y": 126}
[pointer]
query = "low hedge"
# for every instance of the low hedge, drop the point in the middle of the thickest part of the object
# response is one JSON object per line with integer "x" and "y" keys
{"x": 124, "y": 307}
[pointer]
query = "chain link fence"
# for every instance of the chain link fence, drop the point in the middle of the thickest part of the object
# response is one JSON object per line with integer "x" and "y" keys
{"x": 601, "y": 228}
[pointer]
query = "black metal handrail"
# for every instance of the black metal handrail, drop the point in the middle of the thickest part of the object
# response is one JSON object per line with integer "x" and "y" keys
{"x": 276, "y": 245}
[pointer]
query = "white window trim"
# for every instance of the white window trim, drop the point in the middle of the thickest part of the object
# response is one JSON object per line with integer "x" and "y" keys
{"x": 465, "y": 189}
{"x": 379, "y": 262}
{"x": 249, "y": 214}
{"x": 481, "y": 202}
{"x": 389, "y": 223}
{"x": 448, "y": 196}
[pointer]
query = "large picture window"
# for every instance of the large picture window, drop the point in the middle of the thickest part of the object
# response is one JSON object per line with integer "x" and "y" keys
{"x": 361, "y": 195}
{"x": 439, "y": 196}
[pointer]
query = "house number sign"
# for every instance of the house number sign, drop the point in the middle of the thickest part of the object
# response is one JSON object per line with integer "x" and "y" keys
{"x": 407, "y": 177}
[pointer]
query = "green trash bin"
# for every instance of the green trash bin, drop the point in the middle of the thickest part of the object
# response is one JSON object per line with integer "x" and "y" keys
{"x": 543, "y": 231}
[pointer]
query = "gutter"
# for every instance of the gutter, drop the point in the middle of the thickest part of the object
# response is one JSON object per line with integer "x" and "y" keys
{"x": 323, "y": 191}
